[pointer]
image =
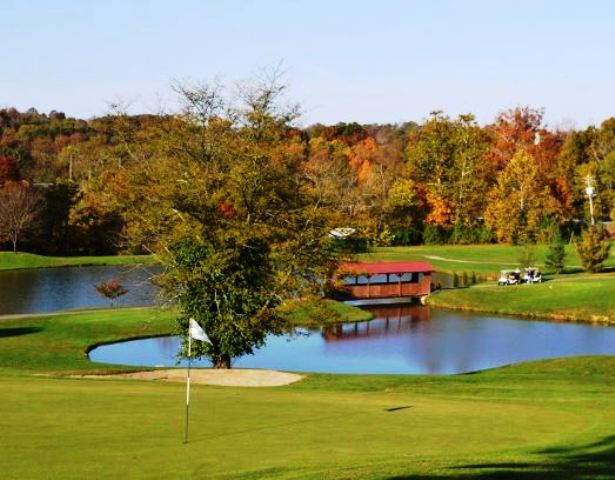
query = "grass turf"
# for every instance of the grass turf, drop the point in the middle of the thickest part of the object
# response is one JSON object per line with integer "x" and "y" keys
{"x": 578, "y": 299}
{"x": 482, "y": 259}
{"x": 548, "y": 419}
{"x": 19, "y": 260}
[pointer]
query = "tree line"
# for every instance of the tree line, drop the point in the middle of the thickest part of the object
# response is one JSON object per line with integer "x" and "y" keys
{"x": 444, "y": 180}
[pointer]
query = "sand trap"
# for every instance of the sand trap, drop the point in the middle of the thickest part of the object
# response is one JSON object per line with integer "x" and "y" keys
{"x": 227, "y": 378}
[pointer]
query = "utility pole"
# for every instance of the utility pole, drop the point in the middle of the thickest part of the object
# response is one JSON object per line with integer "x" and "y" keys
{"x": 591, "y": 191}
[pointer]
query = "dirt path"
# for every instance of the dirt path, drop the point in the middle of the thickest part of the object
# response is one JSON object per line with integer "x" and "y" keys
{"x": 436, "y": 257}
{"x": 206, "y": 376}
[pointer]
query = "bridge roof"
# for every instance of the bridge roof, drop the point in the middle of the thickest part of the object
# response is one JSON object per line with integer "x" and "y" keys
{"x": 373, "y": 268}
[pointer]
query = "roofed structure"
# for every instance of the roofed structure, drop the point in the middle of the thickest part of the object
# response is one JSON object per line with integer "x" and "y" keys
{"x": 381, "y": 280}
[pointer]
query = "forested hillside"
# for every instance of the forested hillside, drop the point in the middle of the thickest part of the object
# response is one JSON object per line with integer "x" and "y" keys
{"x": 66, "y": 183}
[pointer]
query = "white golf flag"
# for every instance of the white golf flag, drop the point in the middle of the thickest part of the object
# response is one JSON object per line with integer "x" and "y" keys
{"x": 196, "y": 332}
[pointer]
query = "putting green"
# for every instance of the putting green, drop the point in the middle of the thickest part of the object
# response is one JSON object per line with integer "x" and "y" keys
{"x": 133, "y": 429}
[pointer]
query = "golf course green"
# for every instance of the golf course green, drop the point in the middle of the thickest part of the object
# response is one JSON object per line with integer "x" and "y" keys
{"x": 547, "y": 419}
{"x": 550, "y": 419}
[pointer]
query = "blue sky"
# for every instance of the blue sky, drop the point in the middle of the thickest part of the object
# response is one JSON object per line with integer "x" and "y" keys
{"x": 367, "y": 61}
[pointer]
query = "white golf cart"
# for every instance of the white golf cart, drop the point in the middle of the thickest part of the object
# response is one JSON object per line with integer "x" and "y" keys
{"x": 532, "y": 275}
{"x": 509, "y": 277}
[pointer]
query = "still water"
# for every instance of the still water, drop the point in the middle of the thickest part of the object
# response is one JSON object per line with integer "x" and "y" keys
{"x": 51, "y": 289}
{"x": 400, "y": 339}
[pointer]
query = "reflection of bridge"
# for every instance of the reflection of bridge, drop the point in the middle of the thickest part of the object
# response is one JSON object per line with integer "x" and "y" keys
{"x": 387, "y": 320}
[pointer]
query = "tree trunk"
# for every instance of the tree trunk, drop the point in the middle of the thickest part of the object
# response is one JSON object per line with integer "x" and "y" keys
{"x": 222, "y": 361}
{"x": 15, "y": 245}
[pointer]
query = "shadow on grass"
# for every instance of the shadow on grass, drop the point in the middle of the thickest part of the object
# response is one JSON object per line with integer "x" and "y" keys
{"x": 595, "y": 460}
{"x": 15, "y": 332}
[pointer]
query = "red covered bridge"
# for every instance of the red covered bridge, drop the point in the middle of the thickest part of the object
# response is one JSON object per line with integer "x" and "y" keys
{"x": 374, "y": 280}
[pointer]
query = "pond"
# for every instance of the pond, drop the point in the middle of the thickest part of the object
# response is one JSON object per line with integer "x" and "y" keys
{"x": 400, "y": 339}
{"x": 51, "y": 289}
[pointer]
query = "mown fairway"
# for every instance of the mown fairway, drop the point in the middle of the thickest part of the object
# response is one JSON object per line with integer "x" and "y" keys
{"x": 550, "y": 419}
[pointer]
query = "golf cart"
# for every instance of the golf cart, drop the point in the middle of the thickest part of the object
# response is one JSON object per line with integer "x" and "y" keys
{"x": 532, "y": 275}
{"x": 509, "y": 277}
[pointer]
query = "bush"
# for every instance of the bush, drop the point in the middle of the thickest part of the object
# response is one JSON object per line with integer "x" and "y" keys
{"x": 111, "y": 289}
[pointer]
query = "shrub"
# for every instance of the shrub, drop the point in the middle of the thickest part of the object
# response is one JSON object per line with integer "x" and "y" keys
{"x": 110, "y": 289}
{"x": 593, "y": 249}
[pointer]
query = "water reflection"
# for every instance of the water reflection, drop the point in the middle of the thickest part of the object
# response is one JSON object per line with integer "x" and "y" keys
{"x": 400, "y": 339}
{"x": 390, "y": 319}
{"x": 52, "y": 289}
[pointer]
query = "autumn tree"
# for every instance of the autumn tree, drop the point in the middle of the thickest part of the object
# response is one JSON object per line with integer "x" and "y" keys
{"x": 224, "y": 206}
{"x": 446, "y": 156}
{"x": 19, "y": 206}
{"x": 9, "y": 169}
{"x": 518, "y": 202}
{"x": 514, "y": 129}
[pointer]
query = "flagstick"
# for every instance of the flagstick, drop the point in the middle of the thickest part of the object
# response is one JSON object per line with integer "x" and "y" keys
{"x": 188, "y": 386}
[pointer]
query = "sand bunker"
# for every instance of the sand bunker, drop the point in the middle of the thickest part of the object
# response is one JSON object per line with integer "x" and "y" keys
{"x": 227, "y": 378}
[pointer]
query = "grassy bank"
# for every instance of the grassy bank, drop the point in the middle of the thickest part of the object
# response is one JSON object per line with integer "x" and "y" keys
{"x": 16, "y": 261}
{"x": 540, "y": 420}
{"x": 589, "y": 299}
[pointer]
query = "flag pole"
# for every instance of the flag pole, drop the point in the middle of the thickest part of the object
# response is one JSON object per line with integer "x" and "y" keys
{"x": 188, "y": 386}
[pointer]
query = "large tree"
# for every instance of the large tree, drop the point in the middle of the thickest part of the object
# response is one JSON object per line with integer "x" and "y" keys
{"x": 224, "y": 204}
{"x": 519, "y": 201}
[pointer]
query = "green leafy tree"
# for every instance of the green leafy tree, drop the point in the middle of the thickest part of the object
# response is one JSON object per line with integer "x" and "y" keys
{"x": 593, "y": 249}
{"x": 225, "y": 206}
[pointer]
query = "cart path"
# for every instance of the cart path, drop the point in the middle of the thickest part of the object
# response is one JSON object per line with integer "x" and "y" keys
{"x": 436, "y": 257}
{"x": 483, "y": 262}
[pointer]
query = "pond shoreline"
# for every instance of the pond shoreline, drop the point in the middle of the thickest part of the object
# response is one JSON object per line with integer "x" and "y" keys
{"x": 10, "y": 261}
{"x": 551, "y": 317}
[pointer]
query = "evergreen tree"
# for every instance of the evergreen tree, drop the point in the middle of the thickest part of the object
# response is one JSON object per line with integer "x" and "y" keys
{"x": 556, "y": 255}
